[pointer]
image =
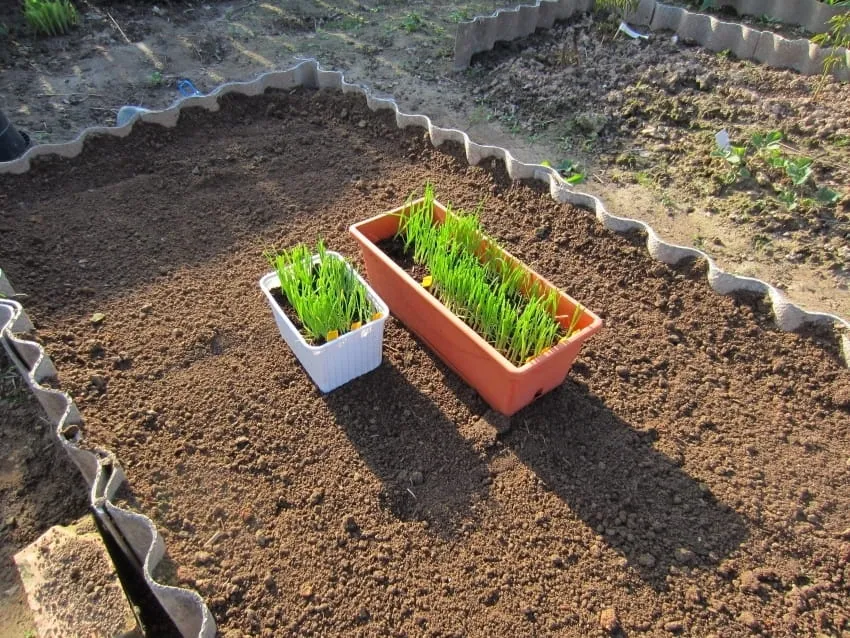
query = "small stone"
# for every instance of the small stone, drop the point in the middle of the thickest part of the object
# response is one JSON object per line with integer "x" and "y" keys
{"x": 306, "y": 590}
{"x": 685, "y": 556}
{"x": 674, "y": 626}
{"x": 608, "y": 620}
{"x": 361, "y": 124}
{"x": 96, "y": 349}
{"x": 417, "y": 478}
{"x": 196, "y": 170}
{"x": 99, "y": 382}
{"x": 622, "y": 371}
{"x": 317, "y": 496}
{"x": 269, "y": 582}
{"x": 262, "y": 539}
{"x": 694, "y": 595}
{"x": 363, "y": 615}
{"x": 841, "y": 397}
{"x": 749, "y": 582}
{"x": 10, "y": 522}
{"x": 146, "y": 309}
{"x": 343, "y": 113}
{"x": 97, "y": 318}
{"x": 203, "y": 558}
{"x": 350, "y": 525}
{"x": 747, "y": 619}
{"x": 646, "y": 560}
{"x": 242, "y": 442}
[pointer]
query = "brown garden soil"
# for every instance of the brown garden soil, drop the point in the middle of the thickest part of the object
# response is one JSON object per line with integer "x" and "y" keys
{"x": 643, "y": 115}
{"x": 39, "y": 488}
{"x": 691, "y": 476}
{"x": 661, "y": 103}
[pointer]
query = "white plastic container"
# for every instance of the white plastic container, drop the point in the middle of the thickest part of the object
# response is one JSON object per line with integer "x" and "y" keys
{"x": 339, "y": 361}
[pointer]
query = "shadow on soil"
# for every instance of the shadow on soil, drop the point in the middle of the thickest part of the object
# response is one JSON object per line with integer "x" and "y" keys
{"x": 429, "y": 472}
{"x": 610, "y": 475}
{"x": 128, "y": 211}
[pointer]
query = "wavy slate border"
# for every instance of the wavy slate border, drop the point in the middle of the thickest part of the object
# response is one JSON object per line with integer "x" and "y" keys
{"x": 766, "y": 47}
{"x": 135, "y": 534}
{"x": 811, "y": 14}
{"x": 100, "y": 468}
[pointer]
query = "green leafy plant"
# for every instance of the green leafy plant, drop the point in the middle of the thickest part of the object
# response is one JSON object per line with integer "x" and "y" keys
{"x": 734, "y": 157}
{"x": 837, "y": 37}
{"x": 50, "y": 17}
{"x": 791, "y": 177}
{"x": 571, "y": 171}
{"x": 412, "y": 22}
{"x": 325, "y": 294}
{"x": 460, "y": 15}
{"x": 621, "y": 8}
{"x": 479, "y": 283}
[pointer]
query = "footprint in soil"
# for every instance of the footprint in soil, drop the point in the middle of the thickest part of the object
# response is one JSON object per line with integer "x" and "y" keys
{"x": 429, "y": 471}
{"x": 610, "y": 475}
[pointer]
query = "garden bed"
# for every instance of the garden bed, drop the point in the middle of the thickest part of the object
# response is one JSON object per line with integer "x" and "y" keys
{"x": 642, "y": 115}
{"x": 690, "y": 476}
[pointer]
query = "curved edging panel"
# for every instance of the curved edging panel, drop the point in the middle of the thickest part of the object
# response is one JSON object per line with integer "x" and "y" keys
{"x": 134, "y": 533}
{"x": 101, "y": 469}
{"x": 766, "y": 47}
{"x": 811, "y": 14}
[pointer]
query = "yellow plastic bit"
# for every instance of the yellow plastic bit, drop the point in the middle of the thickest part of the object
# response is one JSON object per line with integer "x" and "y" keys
{"x": 377, "y": 316}
{"x": 427, "y": 280}
{"x": 333, "y": 334}
{"x": 356, "y": 325}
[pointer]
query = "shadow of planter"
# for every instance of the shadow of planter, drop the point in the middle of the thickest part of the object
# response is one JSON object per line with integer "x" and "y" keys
{"x": 429, "y": 472}
{"x": 609, "y": 474}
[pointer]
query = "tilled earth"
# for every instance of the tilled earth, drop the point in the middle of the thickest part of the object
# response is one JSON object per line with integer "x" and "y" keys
{"x": 691, "y": 476}
{"x": 646, "y": 113}
{"x": 650, "y": 158}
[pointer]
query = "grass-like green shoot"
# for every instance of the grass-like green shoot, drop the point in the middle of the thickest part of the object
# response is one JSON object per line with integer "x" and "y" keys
{"x": 474, "y": 279}
{"x": 326, "y": 295}
{"x": 50, "y": 17}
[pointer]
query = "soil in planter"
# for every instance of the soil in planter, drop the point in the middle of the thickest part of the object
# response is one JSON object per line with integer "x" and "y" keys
{"x": 690, "y": 476}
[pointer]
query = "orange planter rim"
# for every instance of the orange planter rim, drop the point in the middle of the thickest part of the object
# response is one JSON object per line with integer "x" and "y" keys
{"x": 581, "y": 334}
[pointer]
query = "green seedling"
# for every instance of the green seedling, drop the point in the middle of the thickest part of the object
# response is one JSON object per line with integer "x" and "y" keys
{"x": 460, "y": 15}
{"x": 622, "y": 8}
{"x": 412, "y": 22}
{"x": 734, "y": 156}
{"x": 479, "y": 283}
{"x": 326, "y": 295}
{"x": 766, "y": 141}
{"x": 568, "y": 170}
{"x": 50, "y": 17}
{"x": 837, "y": 39}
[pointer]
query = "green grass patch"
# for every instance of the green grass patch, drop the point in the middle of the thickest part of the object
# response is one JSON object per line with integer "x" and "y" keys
{"x": 326, "y": 295}
{"x": 473, "y": 278}
{"x": 50, "y": 17}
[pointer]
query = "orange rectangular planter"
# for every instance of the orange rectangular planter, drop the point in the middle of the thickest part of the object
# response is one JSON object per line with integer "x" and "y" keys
{"x": 505, "y": 387}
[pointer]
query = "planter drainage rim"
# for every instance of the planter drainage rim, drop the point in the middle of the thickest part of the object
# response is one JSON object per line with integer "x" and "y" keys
{"x": 101, "y": 469}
